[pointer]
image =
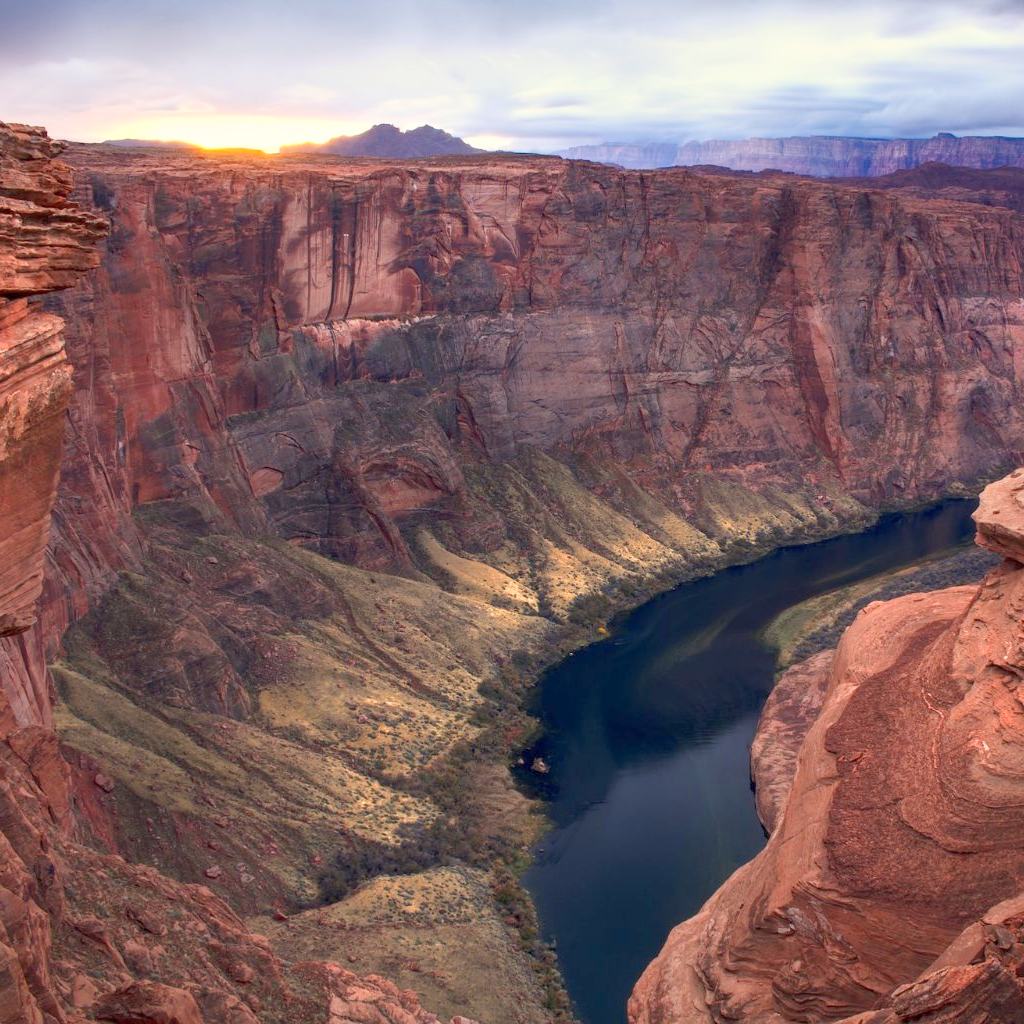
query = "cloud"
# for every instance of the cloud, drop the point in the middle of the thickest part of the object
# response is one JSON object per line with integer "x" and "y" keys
{"x": 535, "y": 74}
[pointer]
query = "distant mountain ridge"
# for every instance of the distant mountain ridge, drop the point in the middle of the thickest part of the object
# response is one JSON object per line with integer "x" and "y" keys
{"x": 385, "y": 140}
{"x": 824, "y": 156}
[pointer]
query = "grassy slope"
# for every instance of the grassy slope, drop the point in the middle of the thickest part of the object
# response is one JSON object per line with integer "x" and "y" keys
{"x": 310, "y": 728}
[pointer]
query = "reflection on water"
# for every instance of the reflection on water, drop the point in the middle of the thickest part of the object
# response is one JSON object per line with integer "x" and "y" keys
{"x": 647, "y": 735}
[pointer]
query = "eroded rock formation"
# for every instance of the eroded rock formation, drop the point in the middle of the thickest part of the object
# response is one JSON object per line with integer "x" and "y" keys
{"x": 46, "y": 243}
{"x": 890, "y": 889}
{"x": 354, "y": 447}
{"x": 542, "y": 387}
{"x": 85, "y": 935}
{"x": 706, "y": 339}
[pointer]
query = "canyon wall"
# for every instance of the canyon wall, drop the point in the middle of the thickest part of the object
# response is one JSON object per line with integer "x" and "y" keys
{"x": 86, "y": 935}
{"x": 545, "y": 388}
{"x": 46, "y": 243}
{"x": 823, "y": 156}
{"x": 354, "y": 448}
{"x": 692, "y": 333}
{"x": 890, "y": 777}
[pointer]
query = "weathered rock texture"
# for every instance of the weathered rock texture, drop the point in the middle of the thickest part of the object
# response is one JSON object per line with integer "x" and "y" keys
{"x": 790, "y": 711}
{"x": 826, "y": 156}
{"x": 902, "y": 826}
{"x": 352, "y": 443}
{"x": 83, "y": 935}
{"x": 701, "y": 338}
{"x": 46, "y": 243}
{"x": 531, "y": 383}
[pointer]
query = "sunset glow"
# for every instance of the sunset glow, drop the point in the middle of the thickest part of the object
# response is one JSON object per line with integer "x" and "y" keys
{"x": 228, "y": 131}
{"x": 538, "y": 76}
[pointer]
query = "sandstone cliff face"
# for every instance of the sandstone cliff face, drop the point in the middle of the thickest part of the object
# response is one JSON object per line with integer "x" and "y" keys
{"x": 83, "y": 935}
{"x": 525, "y": 381}
{"x": 694, "y": 334}
{"x": 492, "y": 393}
{"x": 890, "y": 888}
{"x": 45, "y": 244}
{"x": 822, "y": 156}
{"x": 837, "y": 157}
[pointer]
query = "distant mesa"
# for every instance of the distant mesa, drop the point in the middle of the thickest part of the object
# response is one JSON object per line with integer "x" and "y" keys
{"x": 385, "y": 140}
{"x": 823, "y": 156}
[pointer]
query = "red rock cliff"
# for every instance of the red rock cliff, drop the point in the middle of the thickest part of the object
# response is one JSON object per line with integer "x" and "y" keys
{"x": 84, "y": 935}
{"x": 46, "y": 243}
{"x": 523, "y": 380}
{"x": 838, "y": 157}
{"x": 827, "y": 156}
{"x": 891, "y": 887}
{"x": 833, "y": 343}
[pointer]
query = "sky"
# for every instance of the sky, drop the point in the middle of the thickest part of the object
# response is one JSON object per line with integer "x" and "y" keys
{"x": 536, "y": 75}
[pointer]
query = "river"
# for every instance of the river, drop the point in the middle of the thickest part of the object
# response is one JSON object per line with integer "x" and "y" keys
{"x": 647, "y": 736}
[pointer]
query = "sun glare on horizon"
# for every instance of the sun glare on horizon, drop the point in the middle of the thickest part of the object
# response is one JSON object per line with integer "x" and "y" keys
{"x": 237, "y": 131}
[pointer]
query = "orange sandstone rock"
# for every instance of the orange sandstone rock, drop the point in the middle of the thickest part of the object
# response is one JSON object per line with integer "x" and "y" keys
{"x": 903, "y": 825}
{"x": 46, "y": 243}
{"x": 335, "y": 353}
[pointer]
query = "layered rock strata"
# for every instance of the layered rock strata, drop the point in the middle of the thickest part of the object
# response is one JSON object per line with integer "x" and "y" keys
{"x": 540, "y": 386}
{"x": 890, "y": 889}
{"x": 353, "y": 447}
{"x": 46, "y": 243}
{"x": 84, "y": 936}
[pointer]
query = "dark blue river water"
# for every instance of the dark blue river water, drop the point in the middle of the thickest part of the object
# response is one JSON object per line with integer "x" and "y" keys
{"x": 647, "y": 735}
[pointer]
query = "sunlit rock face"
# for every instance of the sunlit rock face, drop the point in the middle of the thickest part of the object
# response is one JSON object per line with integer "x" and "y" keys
{"x": 46, "y": 243}
{"x": 85, "y": 935}
{"x": 890, "y": 889}
{"x": 324, "y": 351}
{"x": 488, "y": 391}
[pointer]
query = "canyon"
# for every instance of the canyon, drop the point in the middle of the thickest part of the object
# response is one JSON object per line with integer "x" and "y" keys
{"x": 888, "y": 773}
{"x": 351, "y": 450}
{"x": 825, "y": 156}
{"x": 84, "y": 934}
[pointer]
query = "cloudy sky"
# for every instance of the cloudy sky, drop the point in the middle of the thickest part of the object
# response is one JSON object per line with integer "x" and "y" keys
{"x": 526, "y": 74}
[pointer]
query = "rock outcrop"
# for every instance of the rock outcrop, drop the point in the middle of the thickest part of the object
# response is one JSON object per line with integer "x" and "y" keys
{"x": 703, "y": 338}
{"x": 538, "y": 386}
{"x": 354, "y": 446}
{"x": 790, "y": 711}
{"x": 46, "y": 243}
{"x": 890, "y": 889}
{"x": 825, "y": 156}
{"x": 85, "y": 935}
